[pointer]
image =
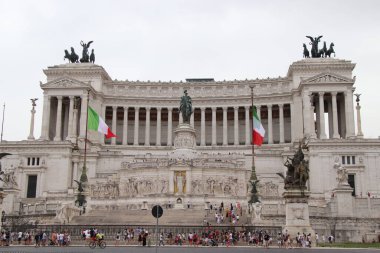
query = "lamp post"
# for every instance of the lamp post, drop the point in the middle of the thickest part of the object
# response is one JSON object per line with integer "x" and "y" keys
{"x": 3, "y": 219}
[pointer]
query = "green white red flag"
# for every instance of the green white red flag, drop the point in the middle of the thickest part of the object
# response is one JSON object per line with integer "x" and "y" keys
{"x": 96, "y": 123}
{"x": 258, "y": 131}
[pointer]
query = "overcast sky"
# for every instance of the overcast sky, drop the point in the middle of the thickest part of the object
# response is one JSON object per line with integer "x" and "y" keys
{"x": 174, "y": 40}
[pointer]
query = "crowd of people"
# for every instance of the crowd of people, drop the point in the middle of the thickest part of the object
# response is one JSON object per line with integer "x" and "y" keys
{"x": 209, "y": 236}
{"x": 36, "y": 238}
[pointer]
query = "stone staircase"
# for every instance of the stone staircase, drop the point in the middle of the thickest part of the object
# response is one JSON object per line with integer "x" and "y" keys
{"x": 144, "y": 217}
{"x": 141, "y": 217}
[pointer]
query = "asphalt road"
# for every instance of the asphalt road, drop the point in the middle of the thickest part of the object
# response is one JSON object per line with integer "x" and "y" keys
{"x": 172, "y": 249}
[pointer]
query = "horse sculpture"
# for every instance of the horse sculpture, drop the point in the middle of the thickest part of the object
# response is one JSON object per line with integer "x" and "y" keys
{"x": 323, "y": 51}
{"x": 330, "y": 50}
{"x": 306, "y": 53}
{"x": 73, "y": 57}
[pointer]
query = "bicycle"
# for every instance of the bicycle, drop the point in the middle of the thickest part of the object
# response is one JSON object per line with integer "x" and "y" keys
{"x": 102, "y": 244}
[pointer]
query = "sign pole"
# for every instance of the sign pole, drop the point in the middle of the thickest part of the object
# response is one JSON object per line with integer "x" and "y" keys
{"x": 157, "y": 230}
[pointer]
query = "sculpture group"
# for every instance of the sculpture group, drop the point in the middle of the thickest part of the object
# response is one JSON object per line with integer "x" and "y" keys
{"x": 297, "y": 172}
{"x": 315, "y": 51}
{"x": 74, "y": 58}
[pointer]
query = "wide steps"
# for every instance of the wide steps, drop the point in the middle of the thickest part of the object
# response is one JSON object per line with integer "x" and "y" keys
{"x": 143, "y": 217}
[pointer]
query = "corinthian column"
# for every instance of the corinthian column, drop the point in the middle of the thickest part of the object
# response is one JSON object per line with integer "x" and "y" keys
{"x": 281, "y": 108}
{"x": 45, "y": 118}
{"x": 270, "y": 125}
{"x": 247, "y": 130}
{"x": 158, "y": 129}
{"x": 114, "y": 122}
{"x": 203, "y": 127}
{"x": 71, "y": 115}
{"x": 170, "y": 126}
{"x": 213, "y": 141}
{"x": 225, "y": 139}
{"x": 236, "y": 125}
{"x": 358, "y": 118}
{"x": 147, "y": 126}
{"x": 136, "y": 134}
{"x": 322, "y": 116}
{"x": 335, "y": 116}
{"x": 125, "y": 126}
{"x": 350, "y": 124}
{"x": 58, "y": 126}
{"x": 83, "y": 115}
{"x": 31, "y": 132}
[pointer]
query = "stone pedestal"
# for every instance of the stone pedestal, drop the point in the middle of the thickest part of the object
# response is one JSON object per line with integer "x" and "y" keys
{"x": 297, "y": 213}
{"x": 2, "y": 196}
{"x": 343, "y": 201}
{"x": 184, "y": 141}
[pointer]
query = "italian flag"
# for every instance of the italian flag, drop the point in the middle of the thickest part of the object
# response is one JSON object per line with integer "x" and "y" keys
{"x": 258, "y": 132}
{"x": 97, "y": 123}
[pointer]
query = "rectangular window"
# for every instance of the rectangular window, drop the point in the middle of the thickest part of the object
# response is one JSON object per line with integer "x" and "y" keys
{"x": 32, "y": 186}
{"x": 351, "y": 182}
{"x": 28, "y": 161}
{"x": 38, "y": 161}
{"x": 33, "y": 161}
{"x": 343, "y": 160}
{"x": 348, "y": 160}
{"x": 353, "y": 159}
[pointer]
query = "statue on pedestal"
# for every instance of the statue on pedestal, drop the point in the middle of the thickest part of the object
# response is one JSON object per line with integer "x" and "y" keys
{"x": 297, "y": 173}
{"x": 186, "y": 107}
{"x": 342, "y": 176}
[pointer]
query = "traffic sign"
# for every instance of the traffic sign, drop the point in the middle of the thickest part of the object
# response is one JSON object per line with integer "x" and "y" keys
{"x": 157, "y": 211}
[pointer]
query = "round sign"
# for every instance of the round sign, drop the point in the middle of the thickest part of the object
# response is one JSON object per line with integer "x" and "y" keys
{"x": 157, "y": 211}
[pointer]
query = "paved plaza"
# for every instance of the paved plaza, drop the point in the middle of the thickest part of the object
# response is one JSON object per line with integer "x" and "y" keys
{"x": 133, "y": 249}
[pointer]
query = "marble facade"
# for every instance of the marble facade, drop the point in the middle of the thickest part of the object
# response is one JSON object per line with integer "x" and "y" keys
{"x": 144, "y": 164}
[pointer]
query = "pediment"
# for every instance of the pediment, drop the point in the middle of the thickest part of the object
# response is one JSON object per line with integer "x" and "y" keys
{"x": 65, "y": 82}
{"x": 327, "y": 78}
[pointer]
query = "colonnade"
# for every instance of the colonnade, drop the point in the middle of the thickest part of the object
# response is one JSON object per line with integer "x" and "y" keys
{"x": 64, "y": 119}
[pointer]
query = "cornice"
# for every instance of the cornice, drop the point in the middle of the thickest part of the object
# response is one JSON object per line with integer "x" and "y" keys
{"x": 81, "y": 69}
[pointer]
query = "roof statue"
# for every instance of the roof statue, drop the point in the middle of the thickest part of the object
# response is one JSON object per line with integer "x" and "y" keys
{"x": 315, "y": 51}
{"x": 74, "y": 58}
{"x": 186, "y": 107}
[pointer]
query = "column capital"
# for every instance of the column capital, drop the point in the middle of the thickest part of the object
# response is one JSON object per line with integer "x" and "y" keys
{"x": 170, "y": 109}
{"x": 59, "y": 97}
{"x": 147, "y": 108}
{"x": 321, "y": 93}
{"x": 225, "y": 108}
{"x": 334, "y": 93}
{"x": 247, "y": 107}
{"x": 203, "y": 109}
{"x": 213, "y": 109}
{"x": 158, "y": 108}
{"x": 346, "y": 92}
{"x": 236, "y": 108}
{"x": 270, "y": 106}
{"x": 281, "y": 106}
{"x": 71, "y": 98}
{"x": 125, "y": 108}
{"x": 114, "y": 107}
{"x": 137, "y": 108}
{"x": 258, "y": 106}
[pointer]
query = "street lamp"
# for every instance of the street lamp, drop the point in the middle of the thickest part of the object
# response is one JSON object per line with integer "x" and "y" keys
{"x": 3, "y": 218}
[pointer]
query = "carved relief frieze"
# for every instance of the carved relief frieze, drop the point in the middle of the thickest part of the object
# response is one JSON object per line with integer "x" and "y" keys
{"x": 107, "y": 190}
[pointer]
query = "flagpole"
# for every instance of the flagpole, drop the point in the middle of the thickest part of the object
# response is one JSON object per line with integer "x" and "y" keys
{"x": 83, "y": 177}
{"x": 2, "y": 124}
{"x": 253, "y": 176}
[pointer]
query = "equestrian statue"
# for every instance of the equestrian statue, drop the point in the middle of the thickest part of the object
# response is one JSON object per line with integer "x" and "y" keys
{"x": 186, "y": 107}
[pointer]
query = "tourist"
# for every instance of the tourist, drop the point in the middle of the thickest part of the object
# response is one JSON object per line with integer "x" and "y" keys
{"x": 316, "y": 238}
{"x": 323, "y": 239}
{"x": 161, "y": 240}
{"x": 118, "y": 237}
{"x": 266, "y": 240}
